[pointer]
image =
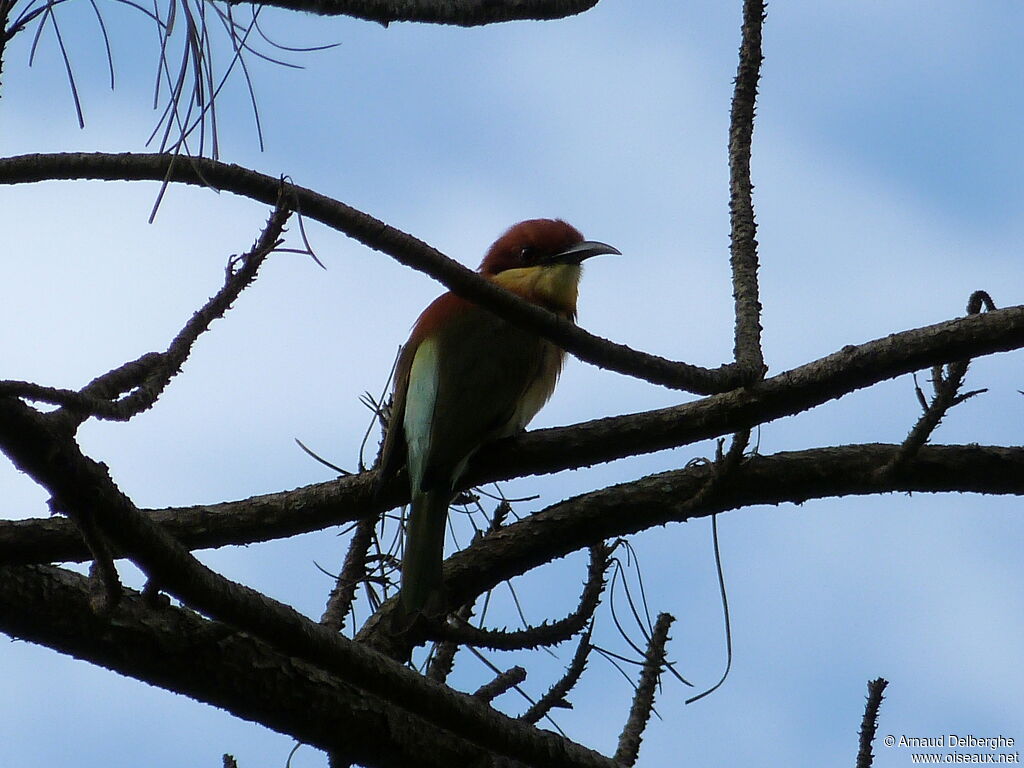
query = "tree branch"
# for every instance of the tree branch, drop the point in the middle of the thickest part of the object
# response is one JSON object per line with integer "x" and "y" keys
{"x": 556, "y": 695}
{"x": 643, "y": 700}
{"x": 148, "y": 376}
{"x": 104, "y": 583}
{"x": 742, "y": 238}
{"x": 510, "y": 678}
{"x": 662, "y": 498}
{"x": 800, "y": 389}
{"x": 352, "y": 573}
{"x": 84, "y": 486}
{"x": 666, "y": 497}
{"x": 869, "y": 724}
{"x": 551, "y": 450}
{"x": 375, "y": 234}
{"x": 548, "y": 633}
{"x": 442, "y": 659}
{"x": 946, "y": 394}
{"x": 463, "y": 13}
{"x": 6, "y": 6}
{"x": 178, "y": 650}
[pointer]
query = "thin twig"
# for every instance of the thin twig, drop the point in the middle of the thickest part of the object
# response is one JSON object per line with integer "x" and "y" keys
{"x": 556, "y": 695}
{"x": 52, "y": 16}
{"x": 946, "y": 388}
{"x": 106, "y": 41}
{"x": 869, "y": 724}
{"x": 317, "y": 457}
{"x": 509, "y": 679}
{"x": 643, "y": 699}
{"x": 547, "y": 633}
{"x": 618, "y": 573}
{"x": 442, "y": 660}
{"x": 723, "y": 467}
{"x": 147, "y": 377}
{"x": 352, "y": 573}
{"x": 725, "y": 614}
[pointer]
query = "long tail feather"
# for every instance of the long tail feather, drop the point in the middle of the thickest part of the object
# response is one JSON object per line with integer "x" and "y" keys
{"x": 424, "y": 550}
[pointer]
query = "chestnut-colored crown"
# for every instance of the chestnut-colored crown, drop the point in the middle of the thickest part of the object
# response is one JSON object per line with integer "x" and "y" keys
{"x": 528, "y": 244}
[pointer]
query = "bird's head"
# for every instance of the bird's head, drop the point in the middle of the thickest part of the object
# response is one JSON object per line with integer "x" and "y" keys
{"x": 538, "y": 243}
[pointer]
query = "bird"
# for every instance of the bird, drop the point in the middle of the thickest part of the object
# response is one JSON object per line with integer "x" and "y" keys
{"x": 465, "y": 378}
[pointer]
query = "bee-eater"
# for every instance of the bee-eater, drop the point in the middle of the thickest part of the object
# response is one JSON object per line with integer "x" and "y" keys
{"x": 467, "y": 377}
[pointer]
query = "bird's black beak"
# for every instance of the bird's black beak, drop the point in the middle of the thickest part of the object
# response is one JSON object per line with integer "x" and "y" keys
{"x": 577, "y": 253}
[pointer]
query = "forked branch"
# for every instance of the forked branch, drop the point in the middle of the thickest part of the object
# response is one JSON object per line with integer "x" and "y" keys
{"x": 946, "y": 386}
{"x": 179, "y": 650}
{"x": 84, "y": 486}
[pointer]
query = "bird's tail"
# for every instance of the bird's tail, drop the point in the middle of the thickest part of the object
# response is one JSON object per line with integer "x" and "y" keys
{"x": 424, "y": 550}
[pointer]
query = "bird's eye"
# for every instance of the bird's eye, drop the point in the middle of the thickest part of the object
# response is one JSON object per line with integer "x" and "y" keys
{"x": 528, "y": 254}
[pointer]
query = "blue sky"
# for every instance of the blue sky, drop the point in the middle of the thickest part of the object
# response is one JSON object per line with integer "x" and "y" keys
{"x": 887, "y": 169}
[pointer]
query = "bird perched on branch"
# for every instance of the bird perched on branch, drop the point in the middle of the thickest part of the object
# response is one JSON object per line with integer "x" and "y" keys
{"x": 467, "y": 377}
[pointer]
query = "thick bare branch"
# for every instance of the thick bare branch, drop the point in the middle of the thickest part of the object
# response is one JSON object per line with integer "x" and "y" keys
{"x": 789, "y": 393}
{"x": 84, "y": 486}
{"x": 463, "y": 13}
{"x": 583, "y": 521}
{"x": 551, "y": 450}
{"x": 946, "y": 386}
{"x": 662, "y": 498}
{"x": 6, "y": 6}
{"x": 272, "y": 516}
{"x": 178, "y": 650}
{"x": 666, "y": 497}
{"x": 743, "y": 237}
{"x": 377, "y": 235}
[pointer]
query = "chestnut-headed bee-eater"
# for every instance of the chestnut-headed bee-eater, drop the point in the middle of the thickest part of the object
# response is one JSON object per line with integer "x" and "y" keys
{"x": 467, "y": 377}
